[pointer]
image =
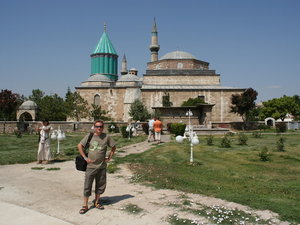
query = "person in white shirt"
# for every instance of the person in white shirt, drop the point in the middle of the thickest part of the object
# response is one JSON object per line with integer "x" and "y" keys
{"x": 151, "y": 129}
{"x": 44, "y": 153}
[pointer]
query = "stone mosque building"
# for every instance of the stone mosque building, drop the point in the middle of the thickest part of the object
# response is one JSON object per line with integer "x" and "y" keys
{"x": 177, "y": 75}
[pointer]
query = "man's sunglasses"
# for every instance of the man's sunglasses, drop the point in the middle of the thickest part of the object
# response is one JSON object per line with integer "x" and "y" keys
{"x": 98, "y": 126}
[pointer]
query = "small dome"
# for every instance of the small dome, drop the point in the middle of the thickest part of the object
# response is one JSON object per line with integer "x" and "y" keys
{"x": 129, "y": 78}
{"x": 133, "y": 69}
{"x": 178, "y": 55}
{"x": 28, "y": 105}
{"x": 98, "y": 77}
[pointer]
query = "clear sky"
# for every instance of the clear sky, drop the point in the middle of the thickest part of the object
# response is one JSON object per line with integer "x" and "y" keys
{"x": 46, "y": 44}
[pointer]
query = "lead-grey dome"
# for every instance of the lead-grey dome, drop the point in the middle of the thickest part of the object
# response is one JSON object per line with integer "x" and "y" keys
{"x": 178, "y": 55}
{"x": 99, "y": 77}
{"x": 28, "y": 105}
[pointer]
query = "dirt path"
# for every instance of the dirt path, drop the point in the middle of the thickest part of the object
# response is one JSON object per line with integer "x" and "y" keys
{"x": 58, "y": 193}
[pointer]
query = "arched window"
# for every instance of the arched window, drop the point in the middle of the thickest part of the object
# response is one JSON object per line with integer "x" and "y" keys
{"x": 97, "y": 99}
{"x": 179, "y": 65}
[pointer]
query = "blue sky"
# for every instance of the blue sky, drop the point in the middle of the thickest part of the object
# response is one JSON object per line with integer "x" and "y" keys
{"x": 46, "y": 44}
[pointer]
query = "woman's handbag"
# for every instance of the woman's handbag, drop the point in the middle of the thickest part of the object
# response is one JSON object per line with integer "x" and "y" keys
{"x": 80, "y": 162}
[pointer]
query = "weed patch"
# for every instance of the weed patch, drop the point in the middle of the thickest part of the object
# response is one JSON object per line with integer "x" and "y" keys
{"x": 132, "y": 209}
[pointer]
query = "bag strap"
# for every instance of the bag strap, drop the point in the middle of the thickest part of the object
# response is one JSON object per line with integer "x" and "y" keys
{"x": 88, "y": 141}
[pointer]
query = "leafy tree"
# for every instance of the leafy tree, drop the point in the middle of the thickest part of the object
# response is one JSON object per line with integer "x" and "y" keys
{"x": 37, "y": 96}
{"x": 242, "y": 104}
{"x": 193, "y": 102}
{"x": 279, "y": 107}
{"x": 297, "y": 100}
{"x": 166, "y": 100}
{"x": 138, "y": 111}
{"x": 76, "y": 106}
{"x": 98, "y": 114}
{"x": 9, "y": 103}
{"x": 52, "y": 108}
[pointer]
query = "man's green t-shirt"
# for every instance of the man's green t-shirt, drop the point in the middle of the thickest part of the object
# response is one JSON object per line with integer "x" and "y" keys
{"x": 97, "y": 149}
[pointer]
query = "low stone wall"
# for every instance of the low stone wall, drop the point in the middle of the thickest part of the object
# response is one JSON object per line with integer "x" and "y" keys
{"x": 32, "y": 126}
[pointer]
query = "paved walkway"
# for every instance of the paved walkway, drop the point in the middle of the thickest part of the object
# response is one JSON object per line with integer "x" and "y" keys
{"x": 16, "y": 215}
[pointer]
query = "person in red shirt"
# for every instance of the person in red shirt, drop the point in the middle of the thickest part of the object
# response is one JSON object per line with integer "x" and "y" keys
{"x": 157, "y": 126}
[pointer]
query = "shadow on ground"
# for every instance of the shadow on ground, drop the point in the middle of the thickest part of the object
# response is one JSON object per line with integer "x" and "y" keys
{"x": 114, "y": 199}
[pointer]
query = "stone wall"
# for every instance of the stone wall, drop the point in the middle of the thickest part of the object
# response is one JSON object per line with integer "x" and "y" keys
{"x": 182, "y": 80}
{"x": 111, "y": 100}
{"x": 31, "y": 126}
{"x": 178, "y": 64}
{"x": 221, "y": 99}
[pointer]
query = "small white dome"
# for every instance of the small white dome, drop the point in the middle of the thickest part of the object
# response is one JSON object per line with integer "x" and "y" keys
{"x": 178, "y": 55}
{"x": 133, "y": 69}
{"x": 28, "y": 105}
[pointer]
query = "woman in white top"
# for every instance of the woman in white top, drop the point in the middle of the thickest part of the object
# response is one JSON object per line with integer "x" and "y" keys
{"x": 44, "y": 153}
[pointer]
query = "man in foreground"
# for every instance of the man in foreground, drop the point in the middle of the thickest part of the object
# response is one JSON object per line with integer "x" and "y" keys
{"x": 96, "y": 164}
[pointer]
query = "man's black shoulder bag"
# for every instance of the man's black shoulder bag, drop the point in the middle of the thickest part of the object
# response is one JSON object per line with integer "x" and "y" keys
{"x": 80, "y": 161}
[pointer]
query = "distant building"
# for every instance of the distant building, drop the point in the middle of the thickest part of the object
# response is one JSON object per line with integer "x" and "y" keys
{"x": 177, "y": 74}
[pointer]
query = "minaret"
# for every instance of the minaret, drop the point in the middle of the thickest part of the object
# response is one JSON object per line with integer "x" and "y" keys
{"x": 154, "y": 47}
{"x": 124, "y": 66}
{"x": 105, "y": 58}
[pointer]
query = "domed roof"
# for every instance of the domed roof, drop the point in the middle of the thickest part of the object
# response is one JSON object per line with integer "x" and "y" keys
{"x": 105, "y": 45}
{"x": 98, "y": 77}
{"x": 133, "y": 69}
{"x": 28, "y": 105}
{"x": 129, "y": 78}
{"x": 178, "y": 55}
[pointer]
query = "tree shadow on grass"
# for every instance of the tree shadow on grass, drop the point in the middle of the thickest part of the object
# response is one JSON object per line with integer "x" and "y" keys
{"x": 114, "y": 199}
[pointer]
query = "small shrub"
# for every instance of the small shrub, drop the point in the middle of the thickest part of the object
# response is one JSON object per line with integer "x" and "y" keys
{"x": 280, "y": 127}
{"x": 225, "y": 142}
{"x": 145, "y": 127}
{"x": 242, "y": 139}
{"x": 264, "y": 155}
{"x": 280, "y": 144}
{"x": 210, "y": 140}
{"x": 178, "y": 128}
{"x": 263, "y": 127}
{"x": 125, "y": 134}
{"x": 18, "y": 133}
{"x": 230, "y": 133}
{"x": 256, "y": 134}
{"x": 169, "y": 127}
{"x": 113, "y": 128}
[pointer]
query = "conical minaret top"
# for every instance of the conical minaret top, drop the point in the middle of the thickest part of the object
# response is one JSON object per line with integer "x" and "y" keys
{"x": 124, "y": 66}
{"x": 154, "y": 46}
{"x": 105, "y": 58}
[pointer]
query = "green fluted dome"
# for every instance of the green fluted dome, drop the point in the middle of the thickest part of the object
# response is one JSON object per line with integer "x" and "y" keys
{"x": 105, "y": 45}
{"x": 105, "y": 59}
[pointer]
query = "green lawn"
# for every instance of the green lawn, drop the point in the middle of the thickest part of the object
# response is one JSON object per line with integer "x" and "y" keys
{"x": 24, "y": 150}
{"x": 236, "y": 174}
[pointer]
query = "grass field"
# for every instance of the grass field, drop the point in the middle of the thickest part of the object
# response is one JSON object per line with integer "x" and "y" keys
{"x": 24, "y": 150}
{"x": 236, "y": 174}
